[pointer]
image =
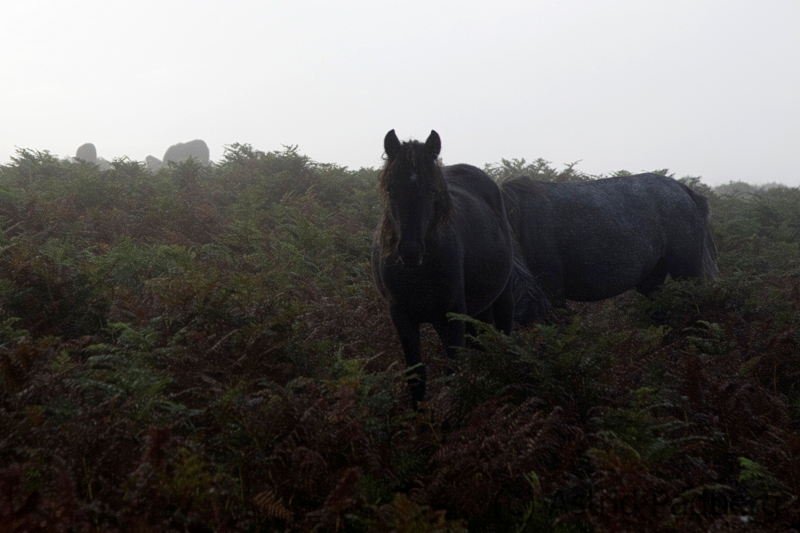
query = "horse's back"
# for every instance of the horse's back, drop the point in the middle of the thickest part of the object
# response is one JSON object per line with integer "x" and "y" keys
{"x": 469, "y": 184}
{"x": 643, "y": 205}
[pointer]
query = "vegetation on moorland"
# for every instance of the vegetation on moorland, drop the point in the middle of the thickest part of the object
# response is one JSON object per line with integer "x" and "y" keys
{"x": 202, "y": 349}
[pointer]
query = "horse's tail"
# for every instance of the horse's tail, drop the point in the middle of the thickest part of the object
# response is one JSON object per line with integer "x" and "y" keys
{"x": 709, "y": 249}
{"x": 530, "y": 301}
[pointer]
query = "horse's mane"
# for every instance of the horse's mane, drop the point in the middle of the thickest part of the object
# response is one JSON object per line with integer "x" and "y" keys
{"x": 413, "y": 157}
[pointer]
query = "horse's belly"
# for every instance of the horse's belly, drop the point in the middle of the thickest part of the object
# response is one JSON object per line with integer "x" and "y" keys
{"x": 585, "y": 292}
{"x": 591, "y": 283}
{"x": 486, "y": 275}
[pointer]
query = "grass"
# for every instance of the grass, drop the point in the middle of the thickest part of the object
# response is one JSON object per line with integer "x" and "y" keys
{"x": 203, "y": 349}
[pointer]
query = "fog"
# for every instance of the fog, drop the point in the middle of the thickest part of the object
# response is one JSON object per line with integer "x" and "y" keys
{"x": 704, "y": 88}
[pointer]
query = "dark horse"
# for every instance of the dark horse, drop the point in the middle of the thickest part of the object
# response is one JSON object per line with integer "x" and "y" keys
{"x": 593, "y": 240}
{"x": 443, "y": 246}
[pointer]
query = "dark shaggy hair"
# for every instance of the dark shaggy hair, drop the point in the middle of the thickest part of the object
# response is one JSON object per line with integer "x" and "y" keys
{"x": 413, "y": 157}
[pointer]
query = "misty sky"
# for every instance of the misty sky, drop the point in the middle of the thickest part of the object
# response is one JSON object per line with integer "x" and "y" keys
{"x": 709, "y": 88}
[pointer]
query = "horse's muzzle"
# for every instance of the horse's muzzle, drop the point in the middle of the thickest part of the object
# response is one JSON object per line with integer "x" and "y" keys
{"x": 411, "y": 254}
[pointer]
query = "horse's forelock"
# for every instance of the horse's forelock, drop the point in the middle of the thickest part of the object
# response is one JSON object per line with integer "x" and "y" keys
{"x": 413, "y": 158}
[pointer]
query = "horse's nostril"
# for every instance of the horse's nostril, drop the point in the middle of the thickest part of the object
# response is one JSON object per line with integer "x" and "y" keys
{"x": 409, "y": 249}
{"x": 411, "y": 260}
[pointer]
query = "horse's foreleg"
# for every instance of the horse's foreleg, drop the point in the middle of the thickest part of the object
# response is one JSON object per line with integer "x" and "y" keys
{"x": 503, "y": 310}
{"x": 451, "y": 333}
{"x": 408, "y": 332}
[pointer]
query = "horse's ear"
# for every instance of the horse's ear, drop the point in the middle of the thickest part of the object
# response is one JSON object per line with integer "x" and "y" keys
{"x": 391, "y": 144}
{"x": 434, "y": 144}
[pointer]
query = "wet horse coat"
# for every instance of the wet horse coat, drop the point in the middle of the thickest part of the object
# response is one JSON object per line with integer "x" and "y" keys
{"x": 443, "y": 246}
{"x": 593, "y": 240}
